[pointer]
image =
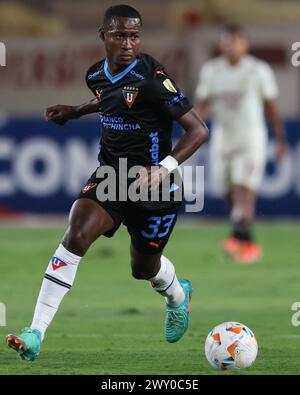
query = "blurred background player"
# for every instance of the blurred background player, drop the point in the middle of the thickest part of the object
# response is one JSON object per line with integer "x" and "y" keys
{"x": 238, "y": 87}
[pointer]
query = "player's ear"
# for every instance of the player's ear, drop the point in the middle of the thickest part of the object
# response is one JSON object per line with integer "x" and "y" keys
{"x": 101, "y": 33}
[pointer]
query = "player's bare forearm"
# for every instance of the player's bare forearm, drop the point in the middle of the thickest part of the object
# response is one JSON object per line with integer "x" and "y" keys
{"x": 60, "y": 113}
{"x": 196, "y": 134}
{"x": 88, "y": 108}
{"x": 273, "y": 115}
{"x": 275, "y": 118}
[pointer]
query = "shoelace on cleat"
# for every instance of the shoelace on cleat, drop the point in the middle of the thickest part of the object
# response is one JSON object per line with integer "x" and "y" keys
{"x": 176, "y": 318}
{"x": 27, "y": 329}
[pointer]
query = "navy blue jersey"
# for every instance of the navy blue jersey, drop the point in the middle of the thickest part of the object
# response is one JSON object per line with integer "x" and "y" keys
{"x": 137, "y": 108}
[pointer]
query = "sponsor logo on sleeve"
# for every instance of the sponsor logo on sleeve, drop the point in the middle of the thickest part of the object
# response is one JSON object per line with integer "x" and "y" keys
{"x": 168, "y": 85}
{"x": 93, "y": 75}
{"x": 137, "y": 75}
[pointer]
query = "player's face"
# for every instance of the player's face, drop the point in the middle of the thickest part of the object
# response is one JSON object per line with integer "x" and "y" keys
{"x": 122, "y": 40}
{"x": 233, "y": 46}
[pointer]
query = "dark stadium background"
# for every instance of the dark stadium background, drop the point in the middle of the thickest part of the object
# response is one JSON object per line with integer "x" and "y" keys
{"x": 51, "y": 44}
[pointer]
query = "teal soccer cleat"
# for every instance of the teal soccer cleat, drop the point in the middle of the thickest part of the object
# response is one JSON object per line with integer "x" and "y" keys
{"x": 27, "y": 344}
{"x": 177, "y": 318}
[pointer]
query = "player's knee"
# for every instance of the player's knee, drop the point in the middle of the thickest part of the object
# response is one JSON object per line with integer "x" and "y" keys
{"x": 76, "y": 242}
{"x": 142, "y": 272}
{"x": 248, "y": 217}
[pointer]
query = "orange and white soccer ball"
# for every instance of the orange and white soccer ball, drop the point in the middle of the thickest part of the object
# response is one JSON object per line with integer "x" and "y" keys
{"x": 231, "y": 345}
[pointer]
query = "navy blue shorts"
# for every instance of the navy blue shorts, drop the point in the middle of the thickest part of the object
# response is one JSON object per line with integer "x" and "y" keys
{"x": 149, "y": 224}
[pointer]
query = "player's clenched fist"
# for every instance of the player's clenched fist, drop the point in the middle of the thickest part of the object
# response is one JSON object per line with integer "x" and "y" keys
{"x": 150, "y": 177}
{"x": 60, "y": 113}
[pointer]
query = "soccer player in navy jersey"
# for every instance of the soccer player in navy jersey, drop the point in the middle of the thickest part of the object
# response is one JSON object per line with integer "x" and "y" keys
{"x": 137, "y": 102}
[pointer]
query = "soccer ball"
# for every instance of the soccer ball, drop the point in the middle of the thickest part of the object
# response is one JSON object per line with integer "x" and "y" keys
{"x": 231, "y": 345}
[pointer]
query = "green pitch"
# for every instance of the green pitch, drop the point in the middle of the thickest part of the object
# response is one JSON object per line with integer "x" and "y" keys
{"x": 111, "y": 323}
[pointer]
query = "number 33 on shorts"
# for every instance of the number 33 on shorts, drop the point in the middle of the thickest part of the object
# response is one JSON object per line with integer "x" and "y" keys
{"x": 159, "y": 227}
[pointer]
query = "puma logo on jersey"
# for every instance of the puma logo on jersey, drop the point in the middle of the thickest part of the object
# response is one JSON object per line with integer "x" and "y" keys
{"x": 155, "y": 244}
{"x": 161, "y": 72}
{"x": 98, "y": 94}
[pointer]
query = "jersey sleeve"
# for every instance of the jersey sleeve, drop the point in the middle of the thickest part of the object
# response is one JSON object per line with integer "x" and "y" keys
{"x": 165, "y": 94}
{"x": 88, "y": 79}
{"x": 267, "y": 82}
{"x": 203, "y": 89}
{"x": 91, "y": 75}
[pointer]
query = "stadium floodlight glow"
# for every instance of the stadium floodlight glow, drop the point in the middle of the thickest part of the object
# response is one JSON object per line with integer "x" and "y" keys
{"x": 2, "y": 54}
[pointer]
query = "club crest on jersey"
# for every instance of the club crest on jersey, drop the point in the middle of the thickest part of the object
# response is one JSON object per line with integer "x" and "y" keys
{"x": 57, "y": 263}
{"x": 130, "y": 93}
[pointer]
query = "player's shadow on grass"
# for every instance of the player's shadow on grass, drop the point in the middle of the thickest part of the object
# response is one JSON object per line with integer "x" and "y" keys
{"x": 130, "y": 311}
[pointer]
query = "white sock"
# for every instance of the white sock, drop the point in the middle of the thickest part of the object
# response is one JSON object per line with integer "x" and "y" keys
{"x": 167, "y": 284}
{"x": 58, "y": 279}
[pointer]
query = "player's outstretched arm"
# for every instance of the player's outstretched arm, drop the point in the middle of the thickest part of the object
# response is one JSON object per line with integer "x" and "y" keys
{"x": 196, "y": 134}
{"x": 273, "y": 114}
{"x": 60, "y": 113}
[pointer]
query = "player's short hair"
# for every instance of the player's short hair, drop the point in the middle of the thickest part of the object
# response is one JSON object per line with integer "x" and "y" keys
{"x": 233, "y": 28}
{"x": 120, "y": 10}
